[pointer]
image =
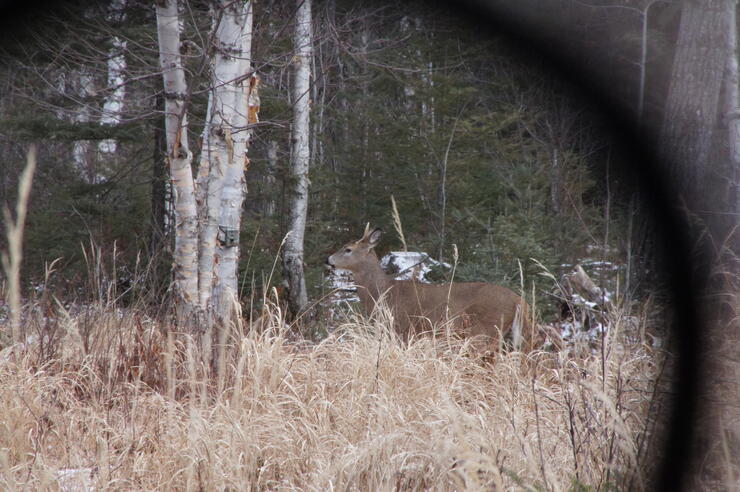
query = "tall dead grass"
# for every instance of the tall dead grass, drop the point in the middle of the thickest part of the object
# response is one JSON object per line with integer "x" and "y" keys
{"x": 718, "y": 466}
{"x": 120, "y": 405}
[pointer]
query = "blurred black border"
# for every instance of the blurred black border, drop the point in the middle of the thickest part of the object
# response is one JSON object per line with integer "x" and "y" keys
{"x": 683, "y": 266}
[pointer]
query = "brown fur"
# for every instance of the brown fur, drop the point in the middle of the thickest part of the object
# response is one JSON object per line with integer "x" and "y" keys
{"x": 475, "y": 309}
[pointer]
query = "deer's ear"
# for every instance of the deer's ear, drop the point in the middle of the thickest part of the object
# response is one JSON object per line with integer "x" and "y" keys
{"x": 374, "y": 237}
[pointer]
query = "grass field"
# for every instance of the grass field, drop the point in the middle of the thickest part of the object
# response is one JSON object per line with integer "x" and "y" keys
{"x": 108, "y": 399}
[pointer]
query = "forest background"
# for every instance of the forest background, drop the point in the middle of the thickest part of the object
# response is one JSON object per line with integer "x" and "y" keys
{"x": 472, "y": 135}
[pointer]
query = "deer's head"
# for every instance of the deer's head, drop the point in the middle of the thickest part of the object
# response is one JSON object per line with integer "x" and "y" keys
{"x": 357, "y": 255}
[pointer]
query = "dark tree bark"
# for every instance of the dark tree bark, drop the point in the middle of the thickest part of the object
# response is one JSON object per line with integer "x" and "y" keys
{"x": 691, "y": 120}
{"x": 731, "y": 177}
{"x": 693, "y": 100}
{"x": 691, "y": 117}
{"x": 556, "y": 185}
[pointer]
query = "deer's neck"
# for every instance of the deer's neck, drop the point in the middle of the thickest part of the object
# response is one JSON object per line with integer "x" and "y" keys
{"x": 372, "y": 282}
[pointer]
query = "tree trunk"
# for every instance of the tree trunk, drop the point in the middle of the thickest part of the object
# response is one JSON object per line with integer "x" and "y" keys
{"x": 644, "y": 20}
{"x": 159, "y": 182}
{"x": 233, "y": 103}
{"x": 179, "y": 158}
{"x": 272, "y": 163}
{"x": 113, "y": 105}
{"x": 299, "y": 161}
{"x": 442, "y": 193}
{"x": 556, "y": 187}
{"x": 82, "y": 150}
{"x": 365, "y": 76}
{"x": 217, "y": 150}
{"x": 318, "y": 91}
{"x": 207, "y": 196}
{"x": 691, "y": 108}
{"x": 732, "y": 112}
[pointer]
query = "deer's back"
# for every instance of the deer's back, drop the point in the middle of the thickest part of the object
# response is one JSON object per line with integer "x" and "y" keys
{"x": 477, "y": 308}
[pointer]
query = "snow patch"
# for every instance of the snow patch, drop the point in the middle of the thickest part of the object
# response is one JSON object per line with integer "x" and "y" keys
{"x": 402, "y": 265}
{"x": 410, "y": 265}
{"x": 75, "y": 479}
{"x": 343, "y": 287}
{"x": 7, "y": 353}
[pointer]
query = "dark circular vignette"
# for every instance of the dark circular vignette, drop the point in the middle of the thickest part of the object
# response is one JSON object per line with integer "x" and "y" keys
{"x": 680, "y": 271}
{"x": 673, "y": 241}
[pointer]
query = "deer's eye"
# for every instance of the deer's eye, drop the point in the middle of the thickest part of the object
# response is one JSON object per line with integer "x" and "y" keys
{"x": 347, "y": 250}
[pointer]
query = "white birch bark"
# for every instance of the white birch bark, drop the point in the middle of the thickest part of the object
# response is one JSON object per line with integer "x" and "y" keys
{"x": 207, "y": 197}
{"x": 644, "y": 18}
{"x": 179, "y": 157}
{"x": 299, "y": 160}
{"x": 116, "y": 64}
{"x": 230, "y": 139}
{"x": 113, "y": 104}
{"x": 82, "y": 149}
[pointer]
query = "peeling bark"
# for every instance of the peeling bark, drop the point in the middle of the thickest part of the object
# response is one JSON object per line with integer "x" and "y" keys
{"x": 235, "y": 98}
{"x": 207, "y": 216}
{"x": 179, "y": 158}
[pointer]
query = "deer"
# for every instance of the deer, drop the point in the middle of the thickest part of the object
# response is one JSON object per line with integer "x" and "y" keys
{"x": 490, "y": 313}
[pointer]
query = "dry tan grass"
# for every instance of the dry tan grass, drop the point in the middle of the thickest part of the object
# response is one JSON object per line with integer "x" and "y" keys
{"x": 360, "y": 410}
{"x": 718, "y": 466}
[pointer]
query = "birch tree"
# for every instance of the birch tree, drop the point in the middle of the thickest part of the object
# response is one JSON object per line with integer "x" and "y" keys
{"x": 299, "y": 160}
{"x": 221, "y": 183}
{"x": 114, "y": 101}
{"x": 116, "y": 65}
{"x": 179, "y": 158}
{"x": 82, "y": 152}
{"x": 208, "y": 211}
